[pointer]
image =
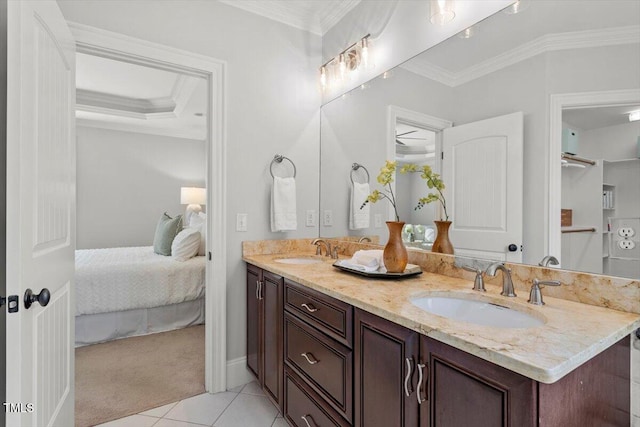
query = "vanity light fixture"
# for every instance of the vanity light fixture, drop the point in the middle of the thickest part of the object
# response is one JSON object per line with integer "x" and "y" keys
{"x": 441, "y": 11}
{"x": 634, "y": 116}
{"x": 467, "y": 33}
{"x": 517, "y": 7}
{"x": 348, "y": 62}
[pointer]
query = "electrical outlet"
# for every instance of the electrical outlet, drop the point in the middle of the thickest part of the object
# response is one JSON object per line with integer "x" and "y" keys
{"x": 626, "y": 244}
{"x": 327, "y": 218}
{"x": 311, "y": 218}
{"x": 377, "y": 220}
{"x": 241, "y": 222}
{"x": 626, "y": 232}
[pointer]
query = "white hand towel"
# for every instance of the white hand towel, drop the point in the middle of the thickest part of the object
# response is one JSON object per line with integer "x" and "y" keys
{"x": 369, "y": 260}
{"x": 359, "y": 218}
{"x": 283, "y": 204}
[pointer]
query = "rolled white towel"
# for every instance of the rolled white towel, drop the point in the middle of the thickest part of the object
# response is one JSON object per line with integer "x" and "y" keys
{"x": 371, "y": 259}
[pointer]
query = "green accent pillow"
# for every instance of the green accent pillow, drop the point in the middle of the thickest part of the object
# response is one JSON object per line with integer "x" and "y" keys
{"x": 166, "y": 231}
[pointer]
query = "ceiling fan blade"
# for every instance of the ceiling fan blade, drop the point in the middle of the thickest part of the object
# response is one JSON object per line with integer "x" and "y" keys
{"x": 406, "y": 133}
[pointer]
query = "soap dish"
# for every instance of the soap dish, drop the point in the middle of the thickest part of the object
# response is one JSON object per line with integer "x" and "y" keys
{"x": 410, "y": 270}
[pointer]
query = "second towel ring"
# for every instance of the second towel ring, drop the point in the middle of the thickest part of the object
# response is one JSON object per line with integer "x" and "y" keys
{"x": 355, "y": 167}
{"x": 278, "y": 159}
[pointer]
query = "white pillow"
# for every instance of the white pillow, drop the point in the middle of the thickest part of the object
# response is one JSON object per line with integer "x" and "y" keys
{"x": 185, "y": 245}
{"x": 199, "y": 222}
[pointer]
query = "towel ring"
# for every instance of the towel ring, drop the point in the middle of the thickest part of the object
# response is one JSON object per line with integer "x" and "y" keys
{"x": 354, "y": 168}
{"x": 278, "y": 159}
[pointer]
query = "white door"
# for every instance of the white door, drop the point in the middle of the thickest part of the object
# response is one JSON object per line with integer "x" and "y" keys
{"x": 40, "y": 214}
{"x": 482, "y": 171}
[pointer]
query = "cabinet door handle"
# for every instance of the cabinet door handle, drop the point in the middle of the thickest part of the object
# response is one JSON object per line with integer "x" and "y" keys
{"x": 257, "y": 289}
{"x": 409, "y": 372}
{"x": 312, "y": 360}
{"x": 310, "y": 308}
{"x": 260, "y": 293}
{"x": 304, "y": 418}
{"x": 420, "y": 367}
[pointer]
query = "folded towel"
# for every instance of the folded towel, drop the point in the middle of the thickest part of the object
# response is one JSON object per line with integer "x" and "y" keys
{"x": 359, "y": 218}
{"x": 369, "y": 260}
{"x": 283, "y": 204}
{"x": 350, "y": 264}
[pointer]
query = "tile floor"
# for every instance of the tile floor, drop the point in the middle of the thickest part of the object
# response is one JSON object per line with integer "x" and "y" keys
{"x": 245, "y": 406}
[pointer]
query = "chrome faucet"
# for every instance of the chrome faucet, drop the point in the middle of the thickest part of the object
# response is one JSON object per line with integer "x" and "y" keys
{"x": 478, "y": 283}
{"x": 318, "y": 243}
{"x": 549, "y": 259}
{"x": 334, "y": 252}
{"x": 507, "y": 283}
{"x": 364, "y": 239}
{"x": 535, "y": 295}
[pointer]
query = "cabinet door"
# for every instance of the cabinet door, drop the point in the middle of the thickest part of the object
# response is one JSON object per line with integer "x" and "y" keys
{"x": 465, "y": 390}
{"x": 385, "y": 360}
{"x": 271, "y": 298}
{"x": 254, "y": 324}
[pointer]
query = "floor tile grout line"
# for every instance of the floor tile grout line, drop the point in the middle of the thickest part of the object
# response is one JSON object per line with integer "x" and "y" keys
{"x": 225, "y": 408}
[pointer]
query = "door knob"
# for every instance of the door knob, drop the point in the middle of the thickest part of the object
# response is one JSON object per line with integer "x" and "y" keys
{"x": 513, "y": 247}
{"x": 42, "y": 298}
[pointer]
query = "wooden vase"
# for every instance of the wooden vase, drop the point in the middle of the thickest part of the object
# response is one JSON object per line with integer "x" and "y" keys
{"x": 395, "y": 254}
{"x": 442, "y": 243}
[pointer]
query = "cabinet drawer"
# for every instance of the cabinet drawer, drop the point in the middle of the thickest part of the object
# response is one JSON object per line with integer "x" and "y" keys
{"x": 333, "y": 317}
{"x": 303, "y": 402}
{"x": 325, "y": 364}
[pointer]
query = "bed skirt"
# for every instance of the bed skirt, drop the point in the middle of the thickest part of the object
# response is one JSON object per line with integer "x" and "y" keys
{"x": 95, "y": 328}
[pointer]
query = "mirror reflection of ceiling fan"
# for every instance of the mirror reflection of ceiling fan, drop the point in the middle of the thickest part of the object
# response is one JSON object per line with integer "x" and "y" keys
{"x": 409, "y": 145}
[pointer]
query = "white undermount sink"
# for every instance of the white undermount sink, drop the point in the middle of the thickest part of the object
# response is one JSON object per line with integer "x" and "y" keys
{"x": 298, "y": 260}
{"x": 473, "y": 311}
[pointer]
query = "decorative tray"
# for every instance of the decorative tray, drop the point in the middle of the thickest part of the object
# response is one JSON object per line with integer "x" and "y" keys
{"x": 410, "y": 270}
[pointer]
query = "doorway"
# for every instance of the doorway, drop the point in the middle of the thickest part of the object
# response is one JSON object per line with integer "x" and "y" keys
{"x": 106, "y": 44}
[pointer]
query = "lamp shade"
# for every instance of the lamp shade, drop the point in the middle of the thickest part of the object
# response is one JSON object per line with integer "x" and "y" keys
{"x": 193, "y": 196}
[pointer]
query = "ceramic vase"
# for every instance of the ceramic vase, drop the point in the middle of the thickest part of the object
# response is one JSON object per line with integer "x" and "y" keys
{"x": 442, "y": 243}
{"x": 395, "y": 254}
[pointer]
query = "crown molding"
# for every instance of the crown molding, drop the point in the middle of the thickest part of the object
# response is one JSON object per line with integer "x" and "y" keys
{"x": 334, "y": 13}
{"x": 547, "y": 43}
{"x": 316, "y": 23}
{"x": 193, "y": 134}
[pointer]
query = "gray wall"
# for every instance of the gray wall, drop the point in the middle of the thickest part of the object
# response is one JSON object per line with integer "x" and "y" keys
{"x": 126, "y": 180}
{"x": 272, "y": 107}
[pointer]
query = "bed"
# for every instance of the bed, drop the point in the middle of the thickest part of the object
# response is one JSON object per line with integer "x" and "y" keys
{"x": 123, "y": 292}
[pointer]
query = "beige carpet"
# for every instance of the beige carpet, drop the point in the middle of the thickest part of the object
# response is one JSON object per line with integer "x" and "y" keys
{"x": 131, "y": 375}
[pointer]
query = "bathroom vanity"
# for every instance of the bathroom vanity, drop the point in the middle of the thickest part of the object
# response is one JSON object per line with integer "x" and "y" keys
{"x": 335, "y": 349}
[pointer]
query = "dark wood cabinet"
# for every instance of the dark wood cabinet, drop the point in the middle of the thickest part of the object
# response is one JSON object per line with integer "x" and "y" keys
{"x": 465, "y": 390}
{"x": 264, "y": 331}
{"x": 385, "y": 369}
{"x": 325, "y": 363}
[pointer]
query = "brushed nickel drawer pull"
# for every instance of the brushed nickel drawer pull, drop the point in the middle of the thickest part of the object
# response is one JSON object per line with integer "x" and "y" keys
{"x": 406, "y": 379}
{"x": 312, "y": 360}
{"x": 304, "y": 417}
{"x": 310, "y": 308}
{"x": 420, "y": 367}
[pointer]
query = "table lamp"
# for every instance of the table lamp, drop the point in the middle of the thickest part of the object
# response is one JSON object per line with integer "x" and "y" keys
{"x": 194, "y": 198}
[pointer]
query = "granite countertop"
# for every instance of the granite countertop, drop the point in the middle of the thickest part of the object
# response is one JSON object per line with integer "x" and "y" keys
{"x": 572, "y": 333}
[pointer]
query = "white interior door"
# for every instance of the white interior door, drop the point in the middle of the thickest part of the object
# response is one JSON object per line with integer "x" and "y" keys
{"x": 40, "y": 214}
{"x": 482, "y": 169}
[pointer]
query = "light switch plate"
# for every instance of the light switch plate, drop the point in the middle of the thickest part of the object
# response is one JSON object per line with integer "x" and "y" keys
{"x": 241, "y": 222}
{"x": 311, "y": 218}
{"x": 327, "y": 218}
{"x": 377, "y": 220}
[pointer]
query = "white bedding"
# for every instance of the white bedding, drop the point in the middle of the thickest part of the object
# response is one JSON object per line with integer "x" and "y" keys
{"x": 118, "y": 279}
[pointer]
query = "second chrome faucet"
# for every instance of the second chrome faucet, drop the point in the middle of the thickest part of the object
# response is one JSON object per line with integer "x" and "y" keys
{"x": 507, "y": 282}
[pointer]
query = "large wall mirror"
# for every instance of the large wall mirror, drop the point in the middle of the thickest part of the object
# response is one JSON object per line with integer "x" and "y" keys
{"x": 501, "y": 77}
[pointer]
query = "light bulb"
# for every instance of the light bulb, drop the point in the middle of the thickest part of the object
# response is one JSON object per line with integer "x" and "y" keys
{"x": 364, "y": 52}
{"x": 342, "y": 65}
{"x": 516, "y": 7}
{"x": 323, "y": 76}
{"x": 442, "y": 11}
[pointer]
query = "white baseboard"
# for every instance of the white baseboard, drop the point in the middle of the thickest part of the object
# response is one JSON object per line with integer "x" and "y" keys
{"x": 237, "y": 373}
